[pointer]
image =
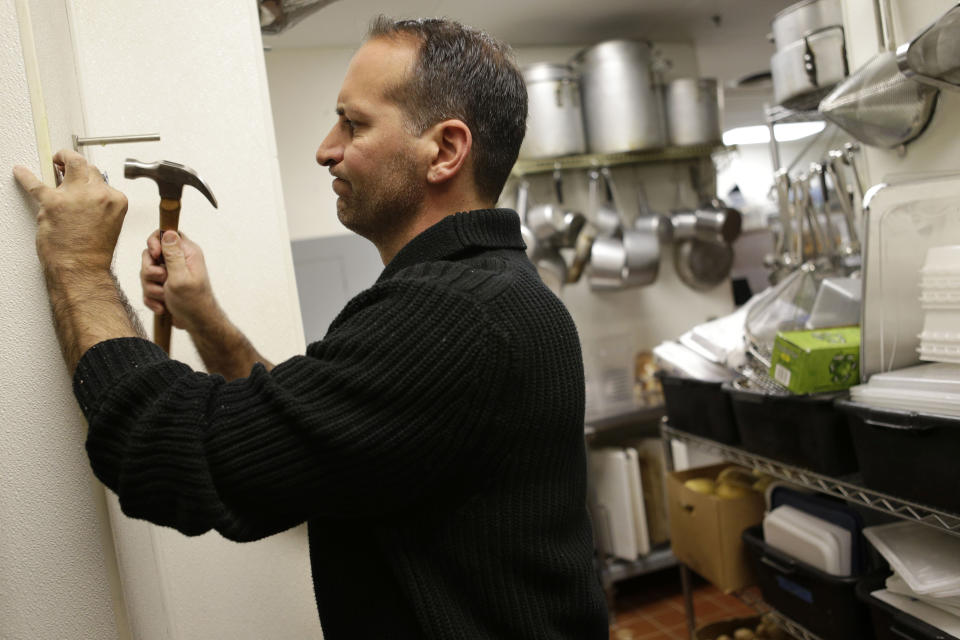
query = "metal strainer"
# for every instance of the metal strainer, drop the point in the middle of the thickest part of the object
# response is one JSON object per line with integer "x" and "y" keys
{"x": 878, "y": 104}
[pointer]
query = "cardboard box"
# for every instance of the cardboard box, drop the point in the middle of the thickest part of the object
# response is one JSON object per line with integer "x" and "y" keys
{"x": 817, "y": 360}
{"x": 705, "y": 530}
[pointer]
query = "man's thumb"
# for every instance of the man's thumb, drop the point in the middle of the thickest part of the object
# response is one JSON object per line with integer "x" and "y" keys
{"x": 172, "y": 251}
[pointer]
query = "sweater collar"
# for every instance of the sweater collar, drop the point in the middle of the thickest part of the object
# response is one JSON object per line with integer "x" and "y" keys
{"x": 481, "y": 228}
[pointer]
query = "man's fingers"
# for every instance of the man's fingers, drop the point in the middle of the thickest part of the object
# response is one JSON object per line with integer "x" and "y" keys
{"x": 30, "y": 183}
{"x": 150, "y": 270}
{"x": 94, "y": 174}
{"x": 75, "y": 165}
{"x": 153, "y": 291}
{"x": 154, "y": 306}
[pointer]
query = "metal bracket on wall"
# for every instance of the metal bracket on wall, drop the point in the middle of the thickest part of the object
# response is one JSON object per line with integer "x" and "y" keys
{"x": 83, "y": 142}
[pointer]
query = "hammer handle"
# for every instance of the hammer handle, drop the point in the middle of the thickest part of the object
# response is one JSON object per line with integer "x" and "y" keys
{"x": 163, "y": 322}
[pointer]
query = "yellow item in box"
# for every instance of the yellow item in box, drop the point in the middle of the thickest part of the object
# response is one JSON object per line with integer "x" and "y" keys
{"x": 705, "y": 529}
{"x": 817, "y": 360}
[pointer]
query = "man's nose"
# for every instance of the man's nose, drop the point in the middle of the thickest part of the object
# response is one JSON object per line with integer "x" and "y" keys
{"x": 330, "y": 151}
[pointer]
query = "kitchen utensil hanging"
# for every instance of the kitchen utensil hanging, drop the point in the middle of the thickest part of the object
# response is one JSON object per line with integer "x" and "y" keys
{"x": 878, "y": 104}
{"x": 933, "y": 56}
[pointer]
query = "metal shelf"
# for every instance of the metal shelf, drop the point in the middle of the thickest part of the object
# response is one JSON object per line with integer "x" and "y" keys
{"x": 783, "y": 621}
{"x": 597, "y": 160}
{"x": 659, "y": 558}
{"x": 791, "y": 627}
{"x": 634, "y": 416}
{"x": 848, "y": 490}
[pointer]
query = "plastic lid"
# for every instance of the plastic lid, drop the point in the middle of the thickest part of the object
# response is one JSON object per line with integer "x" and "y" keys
{"x": 937, "y": 377}
{"x": 927, "y": 559}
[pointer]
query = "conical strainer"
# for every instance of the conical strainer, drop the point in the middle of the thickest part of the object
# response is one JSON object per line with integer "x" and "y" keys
{"x": 880, "y": 106}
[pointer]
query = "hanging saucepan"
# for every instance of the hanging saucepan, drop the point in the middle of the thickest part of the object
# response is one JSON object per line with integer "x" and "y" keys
{"x": 606, "y": 218}
{"x": 642, "y": 245}
{"x": 529, "y": 239}
{"x": 702, "y": 265}
{"x": 608, "y": 259}
{"x": 714, "y": 222}
{"x": 552, "y": 223}
{"x": 569, "y": 227}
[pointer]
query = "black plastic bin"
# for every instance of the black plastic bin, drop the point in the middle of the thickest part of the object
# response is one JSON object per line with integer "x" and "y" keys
{"x": 699, "y": 407}
{"x": 806, "y": 431}
{"x": 908, "y": 455}
{"x": 824, "y": 604}
{"x": 890, "y": 623}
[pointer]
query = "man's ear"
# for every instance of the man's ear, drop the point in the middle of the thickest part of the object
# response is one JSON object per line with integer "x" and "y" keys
{"x": 453, "y": 141}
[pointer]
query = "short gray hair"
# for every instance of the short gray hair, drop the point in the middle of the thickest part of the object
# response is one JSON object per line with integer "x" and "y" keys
{"x": 462, "y": 73}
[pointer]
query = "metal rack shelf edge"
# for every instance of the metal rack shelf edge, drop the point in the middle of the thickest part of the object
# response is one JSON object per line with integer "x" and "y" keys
{"x": 850, "y": 492}
{"x": 598, "y": 160}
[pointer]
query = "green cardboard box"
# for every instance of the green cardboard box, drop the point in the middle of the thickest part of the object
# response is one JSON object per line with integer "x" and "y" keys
{"x": 817, "y": 360}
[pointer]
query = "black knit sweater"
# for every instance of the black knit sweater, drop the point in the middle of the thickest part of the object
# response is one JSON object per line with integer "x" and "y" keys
{"x": 433, "y": 440}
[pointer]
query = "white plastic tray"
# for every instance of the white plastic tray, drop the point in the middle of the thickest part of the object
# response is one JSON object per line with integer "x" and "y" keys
{"x": 928, "y": 560}
{"x": 819, "y": 543}
{"x": 902, "y": 221}
{"x": 944, "y": 378}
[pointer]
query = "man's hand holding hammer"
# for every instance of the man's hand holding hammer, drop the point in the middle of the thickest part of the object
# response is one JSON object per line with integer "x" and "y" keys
{"x": 174, "y": 277}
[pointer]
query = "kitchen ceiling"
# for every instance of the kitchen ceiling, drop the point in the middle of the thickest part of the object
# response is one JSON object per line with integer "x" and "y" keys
{"x": 525, "y": 23}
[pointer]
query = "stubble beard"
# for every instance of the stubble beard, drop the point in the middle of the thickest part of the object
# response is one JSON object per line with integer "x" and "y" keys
{"x": 379, "y": 210}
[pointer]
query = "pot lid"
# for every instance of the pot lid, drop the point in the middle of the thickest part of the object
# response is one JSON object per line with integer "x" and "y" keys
{"x": 547, "y": 71}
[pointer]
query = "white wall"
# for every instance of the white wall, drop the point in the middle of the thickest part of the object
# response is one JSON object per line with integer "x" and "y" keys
{"x": 196, "y": 75}
{"x": 56, "y": 557}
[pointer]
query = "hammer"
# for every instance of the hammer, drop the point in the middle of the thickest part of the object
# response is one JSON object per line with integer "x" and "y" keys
{"x": 170, "y": 178}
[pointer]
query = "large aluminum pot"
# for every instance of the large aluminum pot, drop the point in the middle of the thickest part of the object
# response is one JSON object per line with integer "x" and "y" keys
{"x": 802, "y": 18}
{"x": 555, "y": 116}
{"x": 622, "y": 105}
{"x": 807, "y": 70}
{"x": 693, "y": 111}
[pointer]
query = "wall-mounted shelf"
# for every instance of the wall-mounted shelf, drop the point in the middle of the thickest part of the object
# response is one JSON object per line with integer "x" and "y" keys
{"x": 627, "y": 418}
{"x": 847, "y": 489}
{"x": 598, "y": 160}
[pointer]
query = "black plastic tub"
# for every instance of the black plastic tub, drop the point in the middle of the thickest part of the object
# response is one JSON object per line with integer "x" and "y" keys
{"x": 890, "y": 623}
{"x": 806, "y": 431}
{"x": 908, "y": 455}
{"x": 699, "y": 407}
{"x": 824, "y": 604}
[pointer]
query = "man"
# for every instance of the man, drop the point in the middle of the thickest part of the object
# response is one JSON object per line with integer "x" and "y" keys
{"x": 433, "y": 440}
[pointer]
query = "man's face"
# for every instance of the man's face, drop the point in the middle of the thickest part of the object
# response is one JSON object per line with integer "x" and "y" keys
{"x": 377, "y": 163}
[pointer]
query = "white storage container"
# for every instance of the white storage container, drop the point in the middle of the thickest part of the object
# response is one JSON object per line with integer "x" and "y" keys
{"x": 818, "y": 543}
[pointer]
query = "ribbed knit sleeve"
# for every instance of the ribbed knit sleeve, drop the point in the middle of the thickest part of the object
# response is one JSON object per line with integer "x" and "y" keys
{"x": 397, "y": 405}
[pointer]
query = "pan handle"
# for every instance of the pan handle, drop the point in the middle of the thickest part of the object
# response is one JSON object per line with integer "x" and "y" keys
{"x": 810, "y": 58}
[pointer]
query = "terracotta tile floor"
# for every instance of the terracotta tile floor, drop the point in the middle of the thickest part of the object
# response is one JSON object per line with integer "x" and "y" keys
{"x": 651, "y": 607}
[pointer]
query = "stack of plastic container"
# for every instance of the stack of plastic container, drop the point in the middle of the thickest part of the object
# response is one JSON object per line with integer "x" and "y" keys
{"x": 925, "y": 584}
{"x": 940, "y": 299}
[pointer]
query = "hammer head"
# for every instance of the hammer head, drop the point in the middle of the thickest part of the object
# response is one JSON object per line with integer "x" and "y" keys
{"x": 169, "y": 176}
